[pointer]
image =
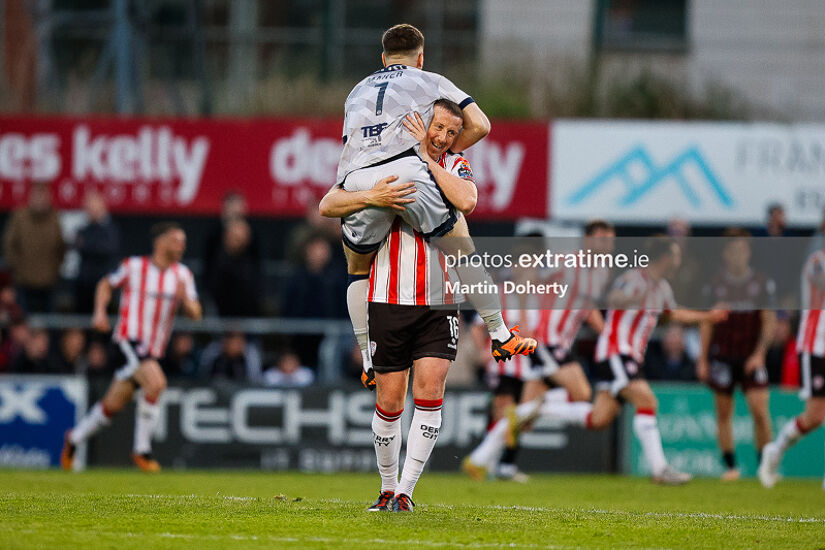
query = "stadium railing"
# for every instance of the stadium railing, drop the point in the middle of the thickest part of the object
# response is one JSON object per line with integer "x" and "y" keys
{"x": 337, "y": 334}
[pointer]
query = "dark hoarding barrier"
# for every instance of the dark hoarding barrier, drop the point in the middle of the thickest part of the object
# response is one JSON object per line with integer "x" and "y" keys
{"x": 322, "y": 429}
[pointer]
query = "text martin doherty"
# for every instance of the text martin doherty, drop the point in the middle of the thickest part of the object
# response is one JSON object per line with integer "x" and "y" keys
{"x": 508, "y": 287}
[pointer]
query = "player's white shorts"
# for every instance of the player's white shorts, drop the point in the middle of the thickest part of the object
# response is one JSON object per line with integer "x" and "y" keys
{"x": 431, "y": 214}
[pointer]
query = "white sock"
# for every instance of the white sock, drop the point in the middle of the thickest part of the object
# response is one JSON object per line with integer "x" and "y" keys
{"x": 574, "y": 414}
{"x": 789, "y": 435}
{"x": 89, "y": 425}
{"x": 528, "y": 410}
{"x": 646, "y": 429}
{"x": 426, "y": 422}
{"x": 386, "y": 430}
{"x": 489, "y": 450}
{"x": 146, "y": 418}
{"x": 556, "y": 395}
{"x": 357, "y": 306}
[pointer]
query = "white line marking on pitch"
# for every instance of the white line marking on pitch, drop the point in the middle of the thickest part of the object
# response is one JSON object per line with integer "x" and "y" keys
{"x": 672, "y": 515}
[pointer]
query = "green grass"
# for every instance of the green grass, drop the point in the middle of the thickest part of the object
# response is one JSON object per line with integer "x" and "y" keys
{"x": 126, "y": 509}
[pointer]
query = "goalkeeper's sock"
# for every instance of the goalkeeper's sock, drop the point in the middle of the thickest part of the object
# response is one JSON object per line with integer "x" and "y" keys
{"x": 386, "y": 431}
{"x": 94, "y": 420}
{"x": 357, "y": 291}
{"x": 423, "y": 434}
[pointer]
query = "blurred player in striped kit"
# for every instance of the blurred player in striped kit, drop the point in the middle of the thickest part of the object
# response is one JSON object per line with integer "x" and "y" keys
{"x": 810, "y": 345}
{"x": 152, "y": 288}
{"x": 637, "y": 299}
{"x": 551, "y": 379}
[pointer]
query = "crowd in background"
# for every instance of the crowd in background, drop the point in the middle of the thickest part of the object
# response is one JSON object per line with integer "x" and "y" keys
{"x": 231, "y": 285}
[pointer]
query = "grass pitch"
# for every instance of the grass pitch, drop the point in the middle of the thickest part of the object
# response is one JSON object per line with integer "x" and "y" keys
{"x": 127, "y": 509}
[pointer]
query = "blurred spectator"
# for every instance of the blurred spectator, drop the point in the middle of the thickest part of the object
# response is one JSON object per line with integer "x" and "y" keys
{"x": 69, "y": 358}
{"x": 35, "y": 356}
{"x": 97, "y": 360}
{"x": 98, "y": 244}
{"x": 13, "y": 344}
{"x": 233, "y": 207}
{"x": 774, "y": 258}
{"x": 316, "y": 290}
{"x": 776, "y": 224}
{"x": 182, "y": 358}
{"x": 687, "y": 282}
{"x": 233, "y": 358}
{"x": 289, "y": 373}
{"x": 667, "y": 358}
{"x": 315, "y": 224}
{"x": 235, "y": 274}
{"x": 10, "y": 311}
{"x": 34, "y": 248}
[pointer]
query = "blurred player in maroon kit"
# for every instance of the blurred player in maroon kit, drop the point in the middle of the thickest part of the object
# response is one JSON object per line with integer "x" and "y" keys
{"x": 810, "y": 344}
{"x": 734, "y": 351}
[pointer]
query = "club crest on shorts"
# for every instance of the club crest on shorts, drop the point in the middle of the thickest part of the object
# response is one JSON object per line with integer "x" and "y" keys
{"x": 373, "y": 347}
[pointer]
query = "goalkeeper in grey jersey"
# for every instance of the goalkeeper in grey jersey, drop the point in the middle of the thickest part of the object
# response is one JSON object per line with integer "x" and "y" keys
{"x": 377, "y": 145}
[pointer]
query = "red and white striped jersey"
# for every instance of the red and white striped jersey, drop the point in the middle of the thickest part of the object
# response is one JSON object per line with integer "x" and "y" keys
{"x": 626, "y": 331}
{"x": 148, "y": 301}
{"x": 456, "y": 165}
{"x": 408, "y": 270}
{"x": 562, "y": 318}
{"x": 811, "y": 336}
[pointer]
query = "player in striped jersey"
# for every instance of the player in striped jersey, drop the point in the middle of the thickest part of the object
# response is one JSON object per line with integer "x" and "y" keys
{"x": 553, "y": 378}
{"x": 810, "y": 345}
{"x": 152, "y": 288}
{"x": 407, "y": 279}
{"x": 637, "y": 299}
{"x": 376, "y": 145}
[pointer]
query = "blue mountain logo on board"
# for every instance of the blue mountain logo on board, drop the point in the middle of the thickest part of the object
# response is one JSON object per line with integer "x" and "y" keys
{"x": 635, "y": 188}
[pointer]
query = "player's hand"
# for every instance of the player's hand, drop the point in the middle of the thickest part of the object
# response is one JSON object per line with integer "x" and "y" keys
{"x": 394, "y": 196}
{"x": 702, "y": 369}
{"x": 718, "y": 315}
{"x": 415, "y": 126}
{"x": 100, "y": 322}
{"x": 755, "y": 362}
{"x": 368, "y": 379}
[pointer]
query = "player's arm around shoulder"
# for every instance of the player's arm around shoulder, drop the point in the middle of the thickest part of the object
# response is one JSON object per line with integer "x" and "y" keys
{"x": 338, "y": 203}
